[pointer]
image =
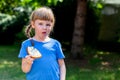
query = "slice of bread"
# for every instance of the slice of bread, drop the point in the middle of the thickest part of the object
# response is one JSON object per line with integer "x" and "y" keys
{"x": 33, "y": 52}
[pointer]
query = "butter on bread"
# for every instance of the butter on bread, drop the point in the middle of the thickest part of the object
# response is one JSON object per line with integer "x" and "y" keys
{"x": 33, "y": 52}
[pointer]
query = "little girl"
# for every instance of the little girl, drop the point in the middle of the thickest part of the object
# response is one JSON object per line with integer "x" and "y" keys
{"x": 51, "y": 65}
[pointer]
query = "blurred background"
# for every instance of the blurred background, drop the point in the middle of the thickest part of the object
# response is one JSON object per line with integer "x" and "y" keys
{"x": 89, "y": 31}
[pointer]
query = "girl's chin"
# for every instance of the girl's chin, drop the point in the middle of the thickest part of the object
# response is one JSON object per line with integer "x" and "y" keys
{"x": 44, "y": 36}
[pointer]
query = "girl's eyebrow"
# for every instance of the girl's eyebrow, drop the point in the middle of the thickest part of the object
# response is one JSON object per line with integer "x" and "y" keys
{"x": 48, "y": 24}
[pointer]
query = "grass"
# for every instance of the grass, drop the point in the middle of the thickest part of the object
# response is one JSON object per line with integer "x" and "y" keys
{"x": 97, "y": 65}
{"x": 9, "y": 64}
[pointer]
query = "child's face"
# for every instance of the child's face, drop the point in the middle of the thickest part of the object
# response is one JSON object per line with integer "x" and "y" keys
{"x": 42, "y": 28}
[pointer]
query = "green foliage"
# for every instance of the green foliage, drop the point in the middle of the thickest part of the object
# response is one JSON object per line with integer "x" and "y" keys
{"x": 6, "y": 21}
{"x": 7, "y": 6}
{"x": 93, "y": 21}
{"x": 10, "y": 26}
{"x": 96, "y": 6}
{"x": 37, "y": 3}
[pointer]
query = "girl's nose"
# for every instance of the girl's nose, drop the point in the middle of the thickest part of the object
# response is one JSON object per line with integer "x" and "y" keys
{"x": 44, "y": 27}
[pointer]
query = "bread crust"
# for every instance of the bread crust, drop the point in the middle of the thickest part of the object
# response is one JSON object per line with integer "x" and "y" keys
{"x": 31, "y": 51}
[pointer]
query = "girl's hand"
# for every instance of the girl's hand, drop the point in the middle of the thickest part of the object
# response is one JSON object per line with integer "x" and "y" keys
{"x": 29, "y": 59}
{"x": 27, "y": 63}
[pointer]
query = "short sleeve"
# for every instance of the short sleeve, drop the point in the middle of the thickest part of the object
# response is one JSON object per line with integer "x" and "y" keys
{"x": 23, "y": 51}
{"x": 60, "y": 54}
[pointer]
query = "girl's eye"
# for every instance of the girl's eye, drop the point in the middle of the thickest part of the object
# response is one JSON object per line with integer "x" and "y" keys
{"x": 48, "y": 24}
{"x": 40, "y": 23}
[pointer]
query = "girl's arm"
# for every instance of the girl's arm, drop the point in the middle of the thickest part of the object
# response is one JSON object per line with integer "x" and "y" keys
{"x": 62, "y": 69}
{"x": 27, "y": 64}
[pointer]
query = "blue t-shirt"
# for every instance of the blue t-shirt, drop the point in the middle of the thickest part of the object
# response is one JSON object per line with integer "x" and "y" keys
{"x": 46, "y": 67}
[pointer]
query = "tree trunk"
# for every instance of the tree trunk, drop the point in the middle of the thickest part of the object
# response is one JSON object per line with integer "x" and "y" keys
{"x": 78, "y": 34}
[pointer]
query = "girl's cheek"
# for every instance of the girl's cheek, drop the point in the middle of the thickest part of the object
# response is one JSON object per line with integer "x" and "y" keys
{"x": 40, "y": 26}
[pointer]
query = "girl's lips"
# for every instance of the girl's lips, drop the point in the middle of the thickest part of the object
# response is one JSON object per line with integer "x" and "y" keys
{"x": 43, "y": 32}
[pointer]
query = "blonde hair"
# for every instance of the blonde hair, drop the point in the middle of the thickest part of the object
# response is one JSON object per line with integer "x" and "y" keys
{"x": 42, "y": 13}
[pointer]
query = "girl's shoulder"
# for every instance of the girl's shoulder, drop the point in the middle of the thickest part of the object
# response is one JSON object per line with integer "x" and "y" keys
{"x": 54, "y": 40}
{"x": 57, "y": 42}
{"x": 27, "y": 41}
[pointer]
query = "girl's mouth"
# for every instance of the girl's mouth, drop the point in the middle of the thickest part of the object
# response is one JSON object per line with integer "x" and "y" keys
{"x": 43, "y": 32}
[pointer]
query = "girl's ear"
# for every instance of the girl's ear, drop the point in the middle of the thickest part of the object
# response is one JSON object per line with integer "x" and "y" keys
{"x": 32, "y": 24}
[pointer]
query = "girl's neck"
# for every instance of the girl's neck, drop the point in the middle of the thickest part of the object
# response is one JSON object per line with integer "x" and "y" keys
{"x": 41, "y": 39}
